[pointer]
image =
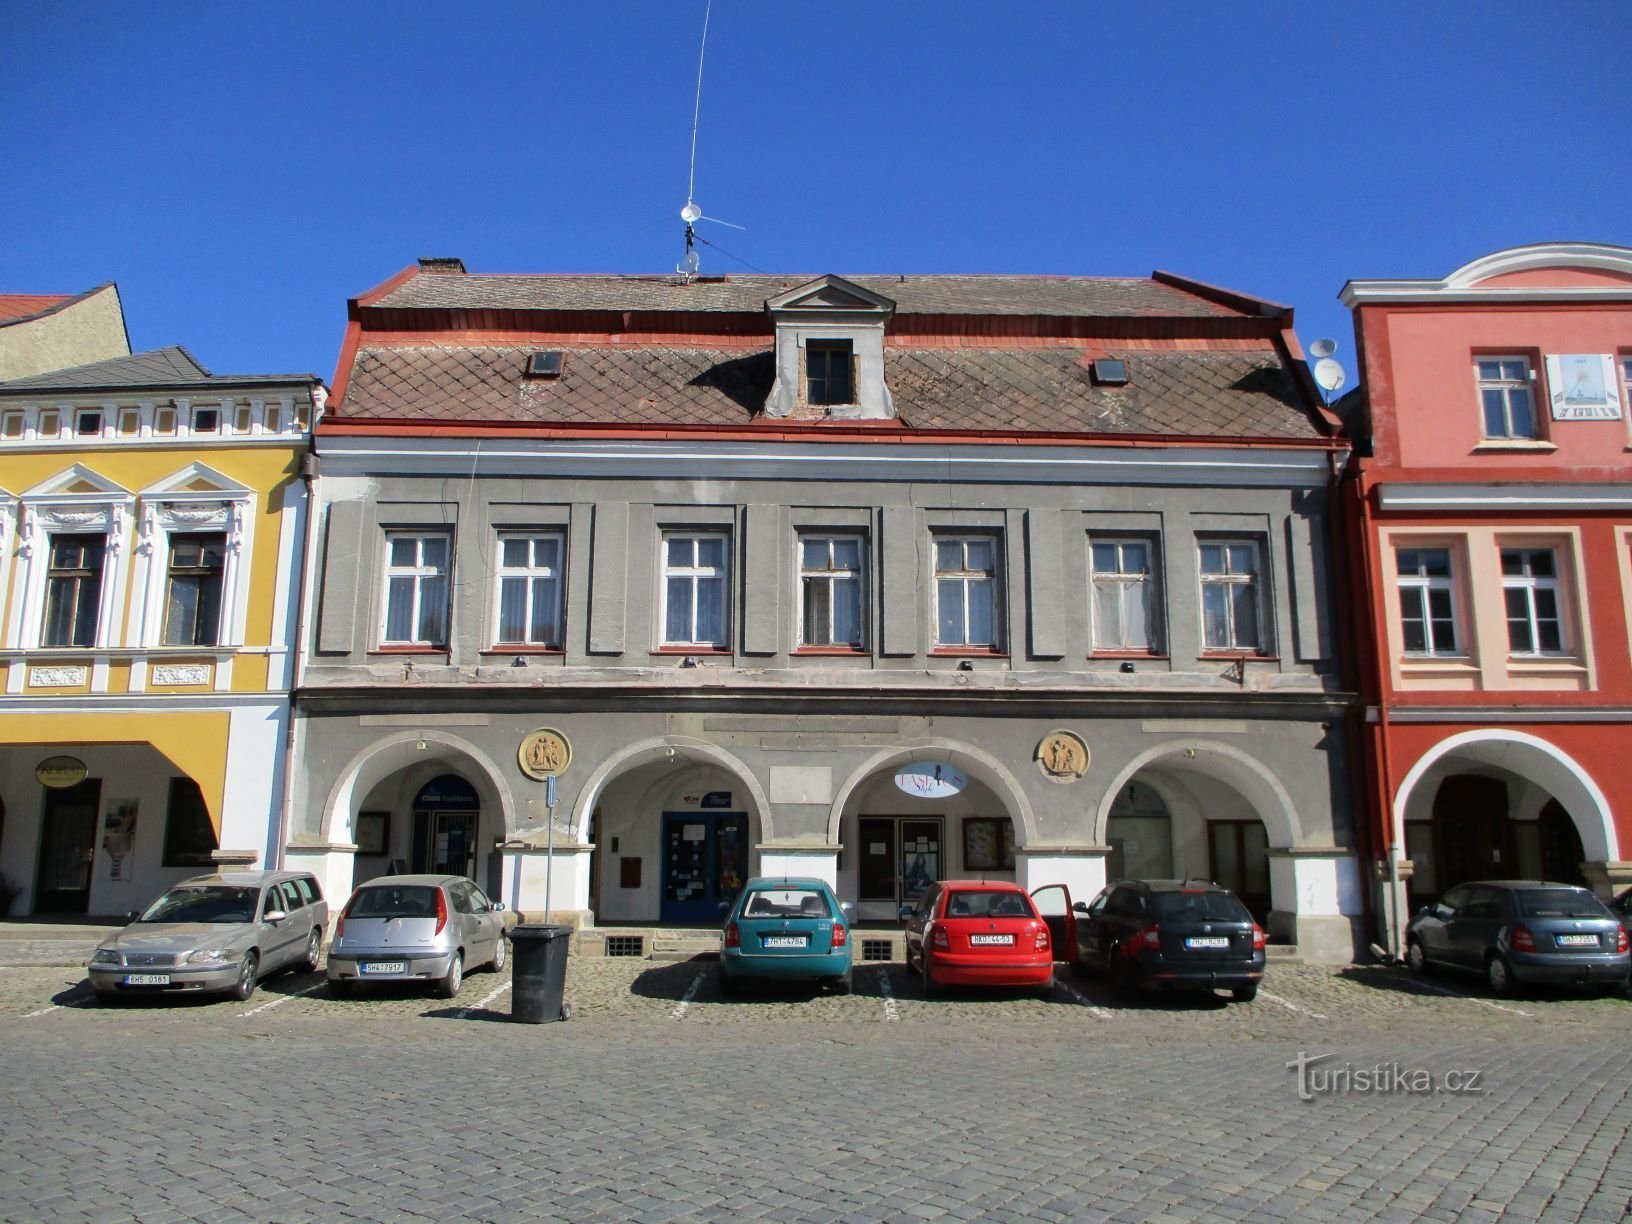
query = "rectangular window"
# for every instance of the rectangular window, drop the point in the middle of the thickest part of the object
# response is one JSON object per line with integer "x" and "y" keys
{"x": 189, "y": 837}
{"x": 416, "y": 590}
{"x": 696, "y": 583}
{"x": 88, "y": 423}
{"x": 73, "y": 590}
{"x": 966, "y": 592}
{"x": 1626, "y": 385}
{"x": 1123, "y": 595}
{"x": 206, "y": 420}
{"x": 827, "y": 370}
{"x": 192, "y": 602}
{"x": 1507, "y": 397}
{"x": 530, "y": 590}
{"x": 988, "y": 843}
{"x": 1230, "y": 612}
{"x": 1530, "y": 588}
{"x": 831, "y": 591}
{"x": 1427, "y": 610}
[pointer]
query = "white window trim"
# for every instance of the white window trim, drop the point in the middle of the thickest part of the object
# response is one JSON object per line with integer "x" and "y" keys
{"x": 665, "y": 572}
{"x": 502, "y": 571}
{"x": 834, "y": 577}
{"x": 1530, "y": 584}
{"x": 1125, "y": 583}
{"x": 1425, "y": 584}
{"x": 388, "y": 571}
{"x": 938, "y": 538}
{"x": 1623, "y": 366}
{"x": 1256, "y": 578}
{"x": 166, "y": 514}
{"x": 48, "y": 514}
{"x": 1530, "y": 381}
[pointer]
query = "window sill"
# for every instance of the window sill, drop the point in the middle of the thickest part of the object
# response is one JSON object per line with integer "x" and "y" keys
{"x": 1246, "y": 656}
{"x": 968, "y": 652}
{"x": 1515, "y": 444}
{"x": 713, "y": 651}
{"x": 850, "y": 652}
{"x": 409, "y": 650}
{"x": 1147, "y": 655}
{"x": 523, "y": 650}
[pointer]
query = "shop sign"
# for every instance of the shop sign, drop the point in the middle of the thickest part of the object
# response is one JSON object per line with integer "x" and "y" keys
{"x": 543, "y": 754}
{"x": 930, "y": 779}
{"x": 60, "y": 772}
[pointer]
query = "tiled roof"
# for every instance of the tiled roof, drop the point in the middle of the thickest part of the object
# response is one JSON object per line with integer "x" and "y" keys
{"x": 17, "y": 306}
{"x": 166, "y": 367}
{"x": 1055, "y": 296}
{"x": 1178, "y": 392}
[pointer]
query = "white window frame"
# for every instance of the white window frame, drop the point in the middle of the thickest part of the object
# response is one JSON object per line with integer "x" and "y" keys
{"x": 1420, "y": 587}
{"x": 695, "y": 573}
{"x": 1623, "y": 365}
{"x": 1529, "y": 584}
{"x": 530, "y": 574}
{"x": 1127, "y": 584}
{"x": 967, "y": 577}
{"x": 44, "y": 512}
{"x": 1226, "y": 580}
{"x": 1506, "y": 386}
{"x": 170, "y": 507}
{"x": 420, "y": 572}
{"x": 831, "y": 578}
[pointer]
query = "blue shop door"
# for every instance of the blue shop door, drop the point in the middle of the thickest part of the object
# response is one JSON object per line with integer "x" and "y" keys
{"x": 705, "y": 860}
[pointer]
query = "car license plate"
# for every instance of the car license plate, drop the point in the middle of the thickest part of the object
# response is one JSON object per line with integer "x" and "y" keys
{"x": 147, "y": 979}
{"x": 1207, "y": 941}
{"x": 383, "y": 967}
{"x": 1578, "y": 941}
{"x": 784, "y": 941}
{"x": 994, "y": 940}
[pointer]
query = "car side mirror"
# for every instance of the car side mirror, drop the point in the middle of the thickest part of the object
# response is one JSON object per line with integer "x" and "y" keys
{"x": 275, "y": 917}
{"x": 848, "y": 909}
{"x": 1442, "y": 912}
{"x": 132, "y": 915}
{"x": 498, "y": 907}
{"x": 1081, "y": 907}
{"x": 907, "y": 911}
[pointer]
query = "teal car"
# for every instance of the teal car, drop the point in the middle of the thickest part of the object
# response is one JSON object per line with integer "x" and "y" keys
{"x": 786, "y": 928}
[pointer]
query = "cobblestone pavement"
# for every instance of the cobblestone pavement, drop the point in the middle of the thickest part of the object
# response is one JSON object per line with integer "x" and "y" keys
{"x": 662, "y": 1101}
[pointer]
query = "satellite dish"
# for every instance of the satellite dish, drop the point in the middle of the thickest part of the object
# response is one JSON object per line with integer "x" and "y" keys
{"x": 1328, "y": 373}
{"x": 691, "y": 212}
{"x": 1323, "y": 348}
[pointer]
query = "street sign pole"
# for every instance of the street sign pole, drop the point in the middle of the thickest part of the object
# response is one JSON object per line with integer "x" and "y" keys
{"x": 549, "y": 841}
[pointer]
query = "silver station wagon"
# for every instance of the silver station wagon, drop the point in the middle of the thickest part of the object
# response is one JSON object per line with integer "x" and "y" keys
{"x": 215, "y": 933}
{"x": 416, "y": 928}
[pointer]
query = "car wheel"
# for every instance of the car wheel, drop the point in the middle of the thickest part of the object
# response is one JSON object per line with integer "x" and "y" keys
{"x": 846, "y": 984}
{"x": 245, "y": 985}
{"x": 1498, "y": 975}
{"x": 1244, "y": 994}
{"x": 500, "y": 955}
{"x": 727, "y": 983}
{"x": 339, "y": 988}
{"x": 448, "y": 987}
{"x": 314, "y": 952}
{"x": 1416, "y": 958}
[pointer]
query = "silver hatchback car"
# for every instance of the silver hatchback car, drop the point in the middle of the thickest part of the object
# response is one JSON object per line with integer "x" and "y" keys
{"x": 215, "y": 933}
{"x": 416, "y": 928}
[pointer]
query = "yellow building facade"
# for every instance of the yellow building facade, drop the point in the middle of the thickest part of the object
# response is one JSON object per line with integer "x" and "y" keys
{"x": 152, "y": 525}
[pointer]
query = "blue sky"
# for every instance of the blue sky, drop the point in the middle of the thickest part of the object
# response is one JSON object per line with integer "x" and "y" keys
{"x": 241, "y": 170}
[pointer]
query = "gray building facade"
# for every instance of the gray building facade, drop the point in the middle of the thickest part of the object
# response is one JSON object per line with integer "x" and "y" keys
{"x": 876, "y": 579}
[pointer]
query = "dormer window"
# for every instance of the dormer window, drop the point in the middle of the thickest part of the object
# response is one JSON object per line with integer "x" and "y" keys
{"x": 206, "y": 420}
{"x": 829, "y": 366}
{"x": 88, "y": 424}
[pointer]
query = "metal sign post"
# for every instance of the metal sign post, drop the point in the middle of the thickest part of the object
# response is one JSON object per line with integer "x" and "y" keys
{"x": 549, "y": 841}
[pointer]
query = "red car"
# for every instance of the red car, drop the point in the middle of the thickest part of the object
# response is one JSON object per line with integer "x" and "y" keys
{"x": 975, "y": 933}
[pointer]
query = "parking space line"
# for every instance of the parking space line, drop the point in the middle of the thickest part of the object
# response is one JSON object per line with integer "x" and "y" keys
{"x": 44, "y": 1011}
{"x": 1104, "y": 1013}
{"x": 1289, "y": 1005}
{"x": 464, "y": 1012}
{"x": 679, "y": 1012}
{"x": 890, "y": 1012}
{"x": 280, "y": 1000}
{"x": 1453, "y": 994}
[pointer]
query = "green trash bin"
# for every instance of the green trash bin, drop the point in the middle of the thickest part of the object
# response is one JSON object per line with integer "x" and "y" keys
{"x": 540, "y": 973}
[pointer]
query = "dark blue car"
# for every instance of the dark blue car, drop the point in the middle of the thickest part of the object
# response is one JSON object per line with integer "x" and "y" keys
{"x": 786, "y": 928}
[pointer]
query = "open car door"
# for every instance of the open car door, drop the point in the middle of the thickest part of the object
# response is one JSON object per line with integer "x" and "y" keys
{"x": 1053, "y": 902}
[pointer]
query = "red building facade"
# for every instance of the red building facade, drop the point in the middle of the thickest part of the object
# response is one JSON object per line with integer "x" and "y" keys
{"x": 1491, "y": 508}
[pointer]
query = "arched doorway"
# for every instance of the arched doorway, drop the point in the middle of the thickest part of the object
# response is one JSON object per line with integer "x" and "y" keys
{"x": 446, "y": 815}
{"x": 1489, "y": 825}
{"x": 1139, "y": 831}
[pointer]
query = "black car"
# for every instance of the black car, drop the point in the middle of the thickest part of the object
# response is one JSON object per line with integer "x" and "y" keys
{"x": 1171, "y": 934}
{"x": 1621, "y": 907}
{"x": 1515, "y": 931}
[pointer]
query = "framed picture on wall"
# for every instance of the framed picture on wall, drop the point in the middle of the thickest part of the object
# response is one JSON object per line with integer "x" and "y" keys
{"x": 988, "y": 844}
{"x": 373, "y": 832}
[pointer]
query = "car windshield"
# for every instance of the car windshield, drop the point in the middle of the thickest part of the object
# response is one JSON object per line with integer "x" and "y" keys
{"x": 394, "y": 901}
{"x": 787, "y": 903}
{"x": 210, "y": 904}
{"x": 1560, "y": 903}
{"x": 1209, "y": 906}
{"x": 987, "y": 903}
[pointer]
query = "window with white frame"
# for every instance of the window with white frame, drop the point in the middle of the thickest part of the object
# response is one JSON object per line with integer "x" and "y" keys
{"x": 1427, "y": 601}
{"x": 1231, "y": 613}
{"x": 696, "y": 587}
{"x": 832, "y": 591}
{"x": 1507, "y": 397}
{"x": 1530, "y": 588}
{"x": 73, "y": 589}
{"x": 1123, "y": 587}
{"x": 966, "y": 592}
{"x": 193, "y": 586}
{"x": 1626, "y": 384}
{"x": 416, "y": 589}
{"x": 530, "y": 590}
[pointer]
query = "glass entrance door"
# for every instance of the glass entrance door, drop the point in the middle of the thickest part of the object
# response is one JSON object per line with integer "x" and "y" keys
{"x": 900, "y": 857}
{"x": 1240, "y": 862}
{"x": 705, "y": 859}
{"x": 67, "y": 848}
{"x": 452, "y": 850}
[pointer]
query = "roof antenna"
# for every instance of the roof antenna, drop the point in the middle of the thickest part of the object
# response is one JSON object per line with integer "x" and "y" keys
{"x": 1329, "y": 374}
{"x": 692, "y": 213}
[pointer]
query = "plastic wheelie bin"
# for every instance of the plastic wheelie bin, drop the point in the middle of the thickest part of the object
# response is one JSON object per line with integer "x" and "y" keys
{"x": 540, "y": 974}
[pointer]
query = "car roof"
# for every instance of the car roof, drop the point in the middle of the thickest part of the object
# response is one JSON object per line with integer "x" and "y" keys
{"x": 1522, "y": 884}
{"x": 240, "y": 879}
{"x": 760, "y": 882}
{"x": 1196, "y": 884}
{"x": 391, "y": 881}
{"x": 985, "y": 885}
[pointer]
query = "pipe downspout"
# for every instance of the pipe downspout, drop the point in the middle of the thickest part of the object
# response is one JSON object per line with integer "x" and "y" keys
{"x": 309, "y": 476}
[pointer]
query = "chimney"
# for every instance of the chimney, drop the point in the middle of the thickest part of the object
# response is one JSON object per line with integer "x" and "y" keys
{"x": 442, "y": 267}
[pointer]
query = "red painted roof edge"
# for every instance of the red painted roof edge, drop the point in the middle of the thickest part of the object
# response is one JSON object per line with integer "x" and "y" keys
{"x": 1231, "y": 298}
{"x": 370, "y": 296}
{"x": 347, "y": 359}
{"x": 59, "y": 302}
